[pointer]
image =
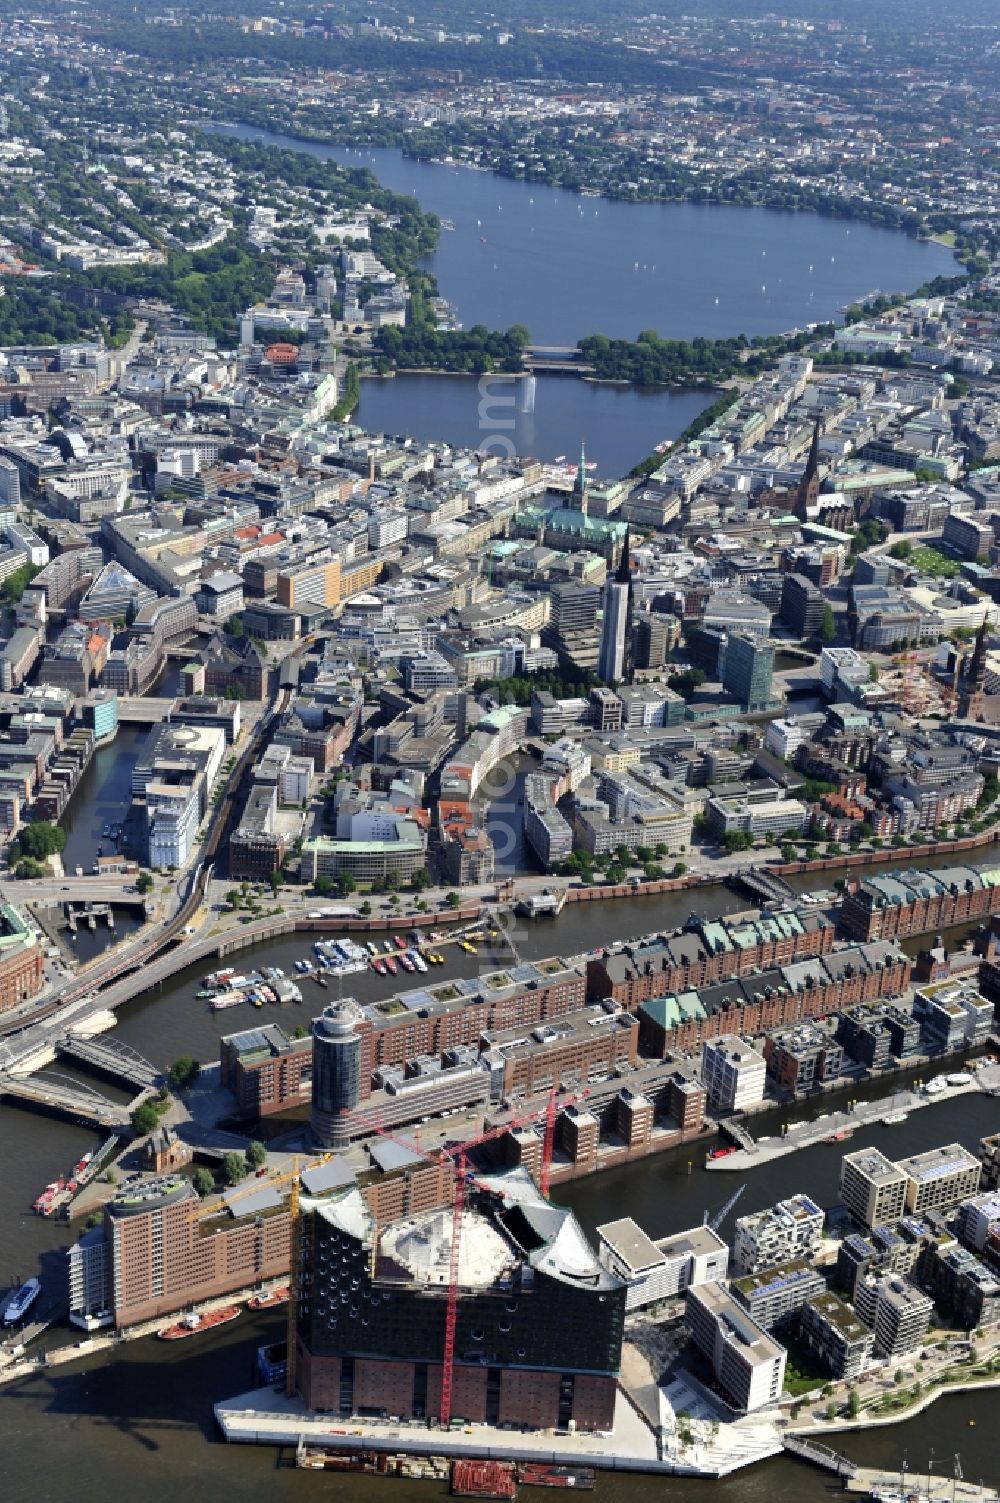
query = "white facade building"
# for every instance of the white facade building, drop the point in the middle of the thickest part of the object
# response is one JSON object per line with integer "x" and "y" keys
{"x": 748, "y": 1363}
{"x": 664, "y": 1269}
{"x": 790, "y": 1229}
{"x": 733, "y": 1074}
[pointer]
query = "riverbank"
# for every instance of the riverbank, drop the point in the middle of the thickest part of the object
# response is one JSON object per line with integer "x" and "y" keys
{"x": 839, "y": 1126}
{"x": 906, "y": 853}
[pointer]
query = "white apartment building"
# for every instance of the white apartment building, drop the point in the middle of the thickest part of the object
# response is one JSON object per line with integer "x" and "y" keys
{"x": 790, "y": 1229}
{"x": 940, "y": 1178}
{"x": 748, "y": 1363}
{"x": 733, "y": 1074}
{"x": 663, "y": 1269}
{"x": 768, "y": 820}
{"x": 783, "y": 738}
{"x": 975, "y": 1218}
{"x": 385, "y": 528}
{"x": 872, "y": 1188}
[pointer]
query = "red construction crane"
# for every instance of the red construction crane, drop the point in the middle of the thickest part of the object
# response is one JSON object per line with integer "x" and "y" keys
{"x": 458, "y": 1153}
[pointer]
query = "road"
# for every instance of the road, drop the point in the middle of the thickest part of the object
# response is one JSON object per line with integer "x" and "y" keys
{"x": 27, "y": 1030}
{"x": 50, "y": 891}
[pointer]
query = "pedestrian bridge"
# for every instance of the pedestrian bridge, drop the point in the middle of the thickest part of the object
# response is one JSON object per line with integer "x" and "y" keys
{"x": 820, "y": 1455}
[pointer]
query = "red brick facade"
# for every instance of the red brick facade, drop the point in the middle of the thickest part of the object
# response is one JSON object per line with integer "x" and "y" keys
{"x": 663, "y": 979}
{"x": 528, "y": 1396}
{"x": 865, "y": 916}
{"x": 21, "y": 976}
{"x": 764, "y": 1014}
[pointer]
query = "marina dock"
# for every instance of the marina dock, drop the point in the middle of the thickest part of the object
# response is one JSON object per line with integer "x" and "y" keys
{"x": 923, "y": 1487}
{"x": 843, "y": 1124}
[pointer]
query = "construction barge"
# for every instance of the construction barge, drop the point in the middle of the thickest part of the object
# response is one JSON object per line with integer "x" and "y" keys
{"x": 468, "y": 1477}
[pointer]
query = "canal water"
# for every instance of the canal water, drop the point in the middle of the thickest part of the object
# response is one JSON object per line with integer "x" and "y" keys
{"x": 619, "y": 424}
{"x": 101, "y": 800}
{"x": 567, "y": 265}
{"x": 142, "y": 1417}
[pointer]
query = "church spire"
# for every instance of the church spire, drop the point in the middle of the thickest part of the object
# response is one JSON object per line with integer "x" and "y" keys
{"x": 579, "y": 501}
{"x": 809, "y": 484}
{"x": 812, "y": 463}
{"x": 977, "y": 666}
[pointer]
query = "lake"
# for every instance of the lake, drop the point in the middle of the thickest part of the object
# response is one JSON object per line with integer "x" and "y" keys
{"x": 620, "y": 424}
{"x": 567, "y": 265}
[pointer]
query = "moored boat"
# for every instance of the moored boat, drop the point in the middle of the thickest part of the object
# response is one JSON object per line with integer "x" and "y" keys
{"x": 264, "y": 1301}
{"x": 20, "y": 1303}
{"x": 43, "y": 1202}
{"x": 193, "y": 1323}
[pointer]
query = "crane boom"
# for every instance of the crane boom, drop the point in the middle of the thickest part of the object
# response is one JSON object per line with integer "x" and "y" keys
{"x": 295, "y": 1258}
{"x": 716, "y": 1221}
{"x": 451, "y": 1310}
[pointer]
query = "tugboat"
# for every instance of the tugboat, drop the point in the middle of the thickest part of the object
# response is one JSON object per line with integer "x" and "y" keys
{"x": 264, "y": 1301}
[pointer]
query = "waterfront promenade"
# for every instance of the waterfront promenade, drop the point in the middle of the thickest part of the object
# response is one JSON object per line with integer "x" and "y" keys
{"x": 829, "y": 1128}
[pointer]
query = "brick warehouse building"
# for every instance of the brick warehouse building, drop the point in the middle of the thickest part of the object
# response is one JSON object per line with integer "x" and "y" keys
{"x": 894, "y": 904}
{"x": 21, "y": 959}
{"x": 540, "y": 1322}
{"x": 268, "y": 1071}
{"x": 703, "y": 952}
{"x": 156, "y": 1253}
{"x": 771, "y": 999}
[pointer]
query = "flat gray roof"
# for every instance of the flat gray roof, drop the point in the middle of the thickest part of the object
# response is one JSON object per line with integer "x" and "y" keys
{"x": 629, "y": 1242}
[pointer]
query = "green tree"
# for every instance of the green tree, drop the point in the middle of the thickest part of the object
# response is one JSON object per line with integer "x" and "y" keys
{"x": 828, "y": 626}
{"x": 144, "y": 1119}
{"x": 679, "y": 869}
{"x": 452, "y": 899}
{"x": 346, "y": 884}
{"x": 234, "y": 1168}
{"x": 41, "y": 839}
{"x": 420, "y": 880}
{"x": 323, "y": 885}
{"x": 853, "y": 1404}
{"x": 183, "y": 1072}
{"x": 14, "y": 586}
{"x": 365, "y": 909}
{"x": 256, "y": 1154}
{"x": 144, "y": 882}
{"x": 203, "y": 1181}
{"x": 276, "y": 879}
{"x": 831, "y": 1410}
{"x": 736, "y": 840}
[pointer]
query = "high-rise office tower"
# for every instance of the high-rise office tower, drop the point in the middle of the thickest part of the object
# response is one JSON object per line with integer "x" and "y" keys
{"x": 614, "y": 664}
{"x": 336, "y": 1073}
{"x": 748, "y": 670}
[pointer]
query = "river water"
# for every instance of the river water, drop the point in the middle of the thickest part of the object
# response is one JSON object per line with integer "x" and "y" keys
{"x": 142, "y": 1418}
